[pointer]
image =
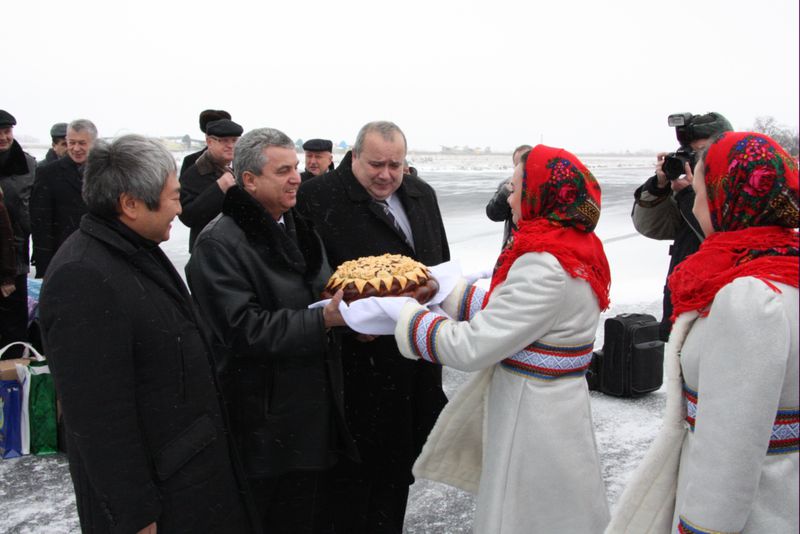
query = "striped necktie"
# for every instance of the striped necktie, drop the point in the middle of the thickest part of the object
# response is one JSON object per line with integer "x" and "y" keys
{"x": 388, "y": 211}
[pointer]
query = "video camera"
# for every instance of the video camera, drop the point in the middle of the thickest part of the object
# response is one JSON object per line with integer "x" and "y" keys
{"x": 690, "y": 128}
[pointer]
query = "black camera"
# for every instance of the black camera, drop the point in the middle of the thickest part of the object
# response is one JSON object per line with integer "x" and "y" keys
{"x": 674, "y": 162}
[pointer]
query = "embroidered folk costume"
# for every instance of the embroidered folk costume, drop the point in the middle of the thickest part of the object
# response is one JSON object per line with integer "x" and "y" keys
{"x": 726, "y": 459}
{"x": 519, "y": 432}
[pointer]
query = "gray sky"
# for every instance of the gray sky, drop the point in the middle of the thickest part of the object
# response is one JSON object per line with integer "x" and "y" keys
{"x": 580, "y": 74}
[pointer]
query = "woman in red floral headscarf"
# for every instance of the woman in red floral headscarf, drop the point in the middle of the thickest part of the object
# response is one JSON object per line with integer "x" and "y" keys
{"x": 726, "y": 459}
{"x": 520, "y": 432}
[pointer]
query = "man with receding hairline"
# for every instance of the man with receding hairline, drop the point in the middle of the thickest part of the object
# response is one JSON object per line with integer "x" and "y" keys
{"x": 367, "y": 207}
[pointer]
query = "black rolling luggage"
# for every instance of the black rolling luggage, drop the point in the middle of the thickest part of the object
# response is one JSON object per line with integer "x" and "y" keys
{"x": 632, "y": 360}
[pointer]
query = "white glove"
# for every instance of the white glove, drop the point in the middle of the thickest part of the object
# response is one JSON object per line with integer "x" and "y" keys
{"x": 471, "y": 278}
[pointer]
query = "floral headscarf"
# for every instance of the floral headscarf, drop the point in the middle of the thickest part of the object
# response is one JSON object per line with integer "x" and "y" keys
{"x": 560, "y": 207}
{"x": 752, "y": 188}
{"x": 751, "y": 181}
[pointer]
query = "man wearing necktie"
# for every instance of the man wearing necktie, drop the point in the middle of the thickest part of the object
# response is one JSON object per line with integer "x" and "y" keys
{"x": 368, "y": 207}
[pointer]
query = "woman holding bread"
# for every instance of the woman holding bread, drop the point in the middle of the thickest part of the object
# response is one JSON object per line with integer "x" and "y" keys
{"x": 520, "y": 432}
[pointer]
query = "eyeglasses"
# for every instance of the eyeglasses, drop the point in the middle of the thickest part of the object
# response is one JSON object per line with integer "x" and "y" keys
{"x": 224, "y": 140}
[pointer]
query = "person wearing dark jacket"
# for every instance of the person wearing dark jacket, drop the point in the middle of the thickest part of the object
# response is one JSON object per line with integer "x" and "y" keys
{"x": 497, "y": 209}
{"x": 319, "y": 158}
{"x": 58, "y": 148}
{"x": 56, "y": 202}
{"x": 17, "y": 173}
{"x": 391, "y": 402}
{"x": 8, "y": 257}
{"x": 662, "y": 208}
{"x": 204, "y": 184}
{"x": 253, "y": 272}
{"x": 147, "y": 442}
{"x": 206, "y": 116}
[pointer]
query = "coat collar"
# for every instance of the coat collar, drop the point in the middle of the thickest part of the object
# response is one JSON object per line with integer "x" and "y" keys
{"x": 144, "y": 255}
{"x": 206, "y": 165}
{"x": 17, "y": 163}
{"x": 409, "y": 188}
{"x": 298, "y": 247}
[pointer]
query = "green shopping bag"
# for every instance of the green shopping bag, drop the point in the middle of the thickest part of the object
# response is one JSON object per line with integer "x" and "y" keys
{"x": 42, "y": 410}
{"x": 39, "y": 416}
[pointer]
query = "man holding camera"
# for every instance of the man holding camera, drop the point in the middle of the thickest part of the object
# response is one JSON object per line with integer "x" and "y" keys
{"x": 663, "y": 206}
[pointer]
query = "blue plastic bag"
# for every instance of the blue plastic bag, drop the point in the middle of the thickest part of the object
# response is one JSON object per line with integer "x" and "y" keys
{"x": 10, "y": 418}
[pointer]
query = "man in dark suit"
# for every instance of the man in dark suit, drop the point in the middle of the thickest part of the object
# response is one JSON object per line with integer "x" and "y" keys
{"x": 148, "y": 447}
{"x": 366, "y": 207}
{"x": 56, "y": 202}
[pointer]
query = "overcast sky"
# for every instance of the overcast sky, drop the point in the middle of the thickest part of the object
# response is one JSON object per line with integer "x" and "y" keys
{"x": 581, "y": 74}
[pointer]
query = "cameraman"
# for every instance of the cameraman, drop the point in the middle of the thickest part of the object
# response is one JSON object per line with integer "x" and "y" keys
{"x": 663, "y": 206}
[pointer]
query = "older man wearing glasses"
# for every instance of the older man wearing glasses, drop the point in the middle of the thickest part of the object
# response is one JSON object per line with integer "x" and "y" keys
{"x": 204, "y": 184}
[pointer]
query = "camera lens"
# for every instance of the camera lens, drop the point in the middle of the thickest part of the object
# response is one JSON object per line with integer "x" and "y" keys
{"x": 674, "y": 166}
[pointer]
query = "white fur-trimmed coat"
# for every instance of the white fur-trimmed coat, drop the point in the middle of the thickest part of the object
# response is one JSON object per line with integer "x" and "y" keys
{"x": 742, "y": 362}
{"x": 526, "y": 445}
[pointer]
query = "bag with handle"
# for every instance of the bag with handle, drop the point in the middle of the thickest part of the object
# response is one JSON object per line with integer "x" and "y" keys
{"x": 632, "y": 360}
{"x": 38, "y": 413}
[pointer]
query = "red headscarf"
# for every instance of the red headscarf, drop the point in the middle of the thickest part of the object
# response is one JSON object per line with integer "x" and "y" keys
{"x": 752, "y": 189}
{"x": 560, "y": 207}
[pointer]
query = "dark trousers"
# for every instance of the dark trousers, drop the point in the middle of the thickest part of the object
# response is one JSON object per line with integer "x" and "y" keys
{"x": 14, "y": 317}
{"x": 365, "y": 502}
{"x": 297, "y": 502}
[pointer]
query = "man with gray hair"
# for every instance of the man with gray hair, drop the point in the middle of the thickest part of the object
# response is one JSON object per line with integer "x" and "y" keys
{"x": 145, "y": 427}
{"x": 253, "y": 272}
{"x": 56, "y": 202}
{"x": 368, "y": 207}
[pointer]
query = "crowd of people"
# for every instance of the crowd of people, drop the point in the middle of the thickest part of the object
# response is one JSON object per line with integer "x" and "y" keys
{"x": 231, "y": 406}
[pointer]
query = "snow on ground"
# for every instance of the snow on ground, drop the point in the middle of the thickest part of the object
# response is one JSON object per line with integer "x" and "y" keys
{"x": 36, "y": 492}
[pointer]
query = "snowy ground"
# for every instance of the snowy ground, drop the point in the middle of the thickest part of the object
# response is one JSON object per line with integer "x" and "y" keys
{"x": 36, "y": 492}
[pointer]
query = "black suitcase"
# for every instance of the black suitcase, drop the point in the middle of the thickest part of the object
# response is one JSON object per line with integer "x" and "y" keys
{"x": 632, "y": 361}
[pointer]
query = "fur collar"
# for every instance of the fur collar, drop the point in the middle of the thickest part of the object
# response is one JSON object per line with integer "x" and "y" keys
{"x": 298, "y": 247}
{"x": 17, "y": 163}
{"x": 206, "y": 165}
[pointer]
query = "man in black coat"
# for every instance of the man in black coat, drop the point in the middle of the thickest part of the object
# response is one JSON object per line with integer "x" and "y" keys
{"x": 148, "y": 448}
{"x": 56, "y": 202}
{"x": 58, "y": 147}
{"x": 204, "y": 184}
{"x": 253, "y": 272}
{"x": 319, "y": 158}
{"x": 17, "y": 173}
{"x": 206, "y": 116}
{"x": 391, "y": 402}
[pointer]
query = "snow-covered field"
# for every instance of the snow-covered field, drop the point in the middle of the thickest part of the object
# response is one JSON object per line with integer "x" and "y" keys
{"x": 36, "y": 492}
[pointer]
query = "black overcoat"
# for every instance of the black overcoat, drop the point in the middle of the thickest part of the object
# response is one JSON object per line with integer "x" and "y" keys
{"x": 56, "y": 209}
{"x": 391, "y": 402}
{"x": 201, "y": 197}
{"x": 144, "y": 422}
{"x": 280, "y": 369}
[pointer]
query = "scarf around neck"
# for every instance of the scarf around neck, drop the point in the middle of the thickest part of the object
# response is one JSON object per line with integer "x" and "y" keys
{"x": 752, "y": 189}
{"x": 560, "y": 207}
